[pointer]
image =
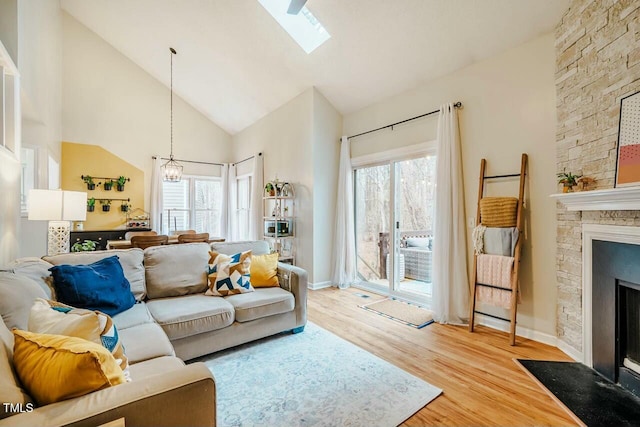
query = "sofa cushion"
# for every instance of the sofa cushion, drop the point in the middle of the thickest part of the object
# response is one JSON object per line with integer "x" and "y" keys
{"x": 17, "y": 294}
{"x": 190, "y": 315}
{"x": 56, "y": 367}
{"x": 130, "y": 260}
{"x": 34, "y": 268}
{"x": 174, "y": 270}
{"x": 158, "y": 366}
{"x": 229, "y": 274}
{"x": 257, "y": 247}
{"x": 11, "y": 390}
{"x": 136, "y": 315}
{"x": 97, "y": 286}
{"x": 144, "y": 342}
{"x": 261, "y": 303}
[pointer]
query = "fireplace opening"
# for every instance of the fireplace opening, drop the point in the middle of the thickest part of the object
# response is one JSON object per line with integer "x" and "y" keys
{"x": 615, "y": 321}
{"x": 628, "y": 335}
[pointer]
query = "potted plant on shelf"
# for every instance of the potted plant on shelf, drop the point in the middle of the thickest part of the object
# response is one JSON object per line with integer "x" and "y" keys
{"x": 124, "y": 207}
{"x": 106, "y": 205}
{"x": 568, "y": 181}
{"x": 88, "y": 179}
{"x": 120, "y": 183}
{"x": 91, "y": 204}
{"x": 86, "y": 246}
{"x": 108, "y": 184}
{"x": 269, "y": 189}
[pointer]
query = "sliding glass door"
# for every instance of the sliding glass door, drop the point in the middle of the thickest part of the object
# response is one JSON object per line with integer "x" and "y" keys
{"x": 394, "y": 202}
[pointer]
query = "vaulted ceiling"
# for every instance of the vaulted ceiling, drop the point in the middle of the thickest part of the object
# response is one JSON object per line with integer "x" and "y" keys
{"x": 235, "y": 64}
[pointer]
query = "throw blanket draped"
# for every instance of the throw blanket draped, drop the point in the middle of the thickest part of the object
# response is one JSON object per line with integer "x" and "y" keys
{"x": 495, "y": 240}
{"x": 495, "y": 270}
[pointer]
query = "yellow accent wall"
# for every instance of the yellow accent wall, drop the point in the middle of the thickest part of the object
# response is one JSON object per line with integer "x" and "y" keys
{"x": 84, "y": 159}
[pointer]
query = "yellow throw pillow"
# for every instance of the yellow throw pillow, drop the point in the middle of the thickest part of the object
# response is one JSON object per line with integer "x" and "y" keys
{"x": 54, "y": 367}
{"x": 52, "y": 317}
{"x": 264, "y": 271}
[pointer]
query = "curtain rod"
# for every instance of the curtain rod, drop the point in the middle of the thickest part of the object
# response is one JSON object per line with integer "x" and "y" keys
{"x": 456, "y": 105}
{"x": 189, "y": 161}
{"x": 244, "y": 160}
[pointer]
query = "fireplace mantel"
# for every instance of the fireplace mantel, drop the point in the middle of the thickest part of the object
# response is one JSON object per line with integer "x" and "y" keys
{"x": 613, "y": 199}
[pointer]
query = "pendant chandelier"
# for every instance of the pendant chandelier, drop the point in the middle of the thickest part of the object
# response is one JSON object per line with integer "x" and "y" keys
{"x": 172, "y": 170}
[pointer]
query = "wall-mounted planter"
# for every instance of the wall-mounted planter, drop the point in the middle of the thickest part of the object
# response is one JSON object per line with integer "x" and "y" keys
{"x": 124, "y": 208}
{"x": 108, "y": 185}
{"x": 91, "y": 208}
{"x": 106, "y": 208}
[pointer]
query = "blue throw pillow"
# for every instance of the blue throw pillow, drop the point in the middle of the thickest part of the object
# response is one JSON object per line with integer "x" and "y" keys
{"x": 99, "y": 286}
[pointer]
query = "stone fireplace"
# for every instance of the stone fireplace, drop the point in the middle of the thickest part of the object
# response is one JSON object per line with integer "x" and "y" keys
{"x": 597, "y": 64}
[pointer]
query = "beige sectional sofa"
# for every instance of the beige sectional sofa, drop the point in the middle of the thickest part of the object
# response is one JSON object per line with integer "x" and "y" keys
{"x": 172, "y": 321}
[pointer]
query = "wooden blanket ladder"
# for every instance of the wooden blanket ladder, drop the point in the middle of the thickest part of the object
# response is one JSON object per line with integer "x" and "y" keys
{"x": 516, "y": 255}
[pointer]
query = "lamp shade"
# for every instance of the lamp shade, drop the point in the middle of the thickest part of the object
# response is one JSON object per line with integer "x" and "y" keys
{"x": 57, "y": 205}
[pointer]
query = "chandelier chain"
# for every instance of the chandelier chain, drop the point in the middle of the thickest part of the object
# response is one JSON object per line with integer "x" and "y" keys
{"x": 171, "y": 84}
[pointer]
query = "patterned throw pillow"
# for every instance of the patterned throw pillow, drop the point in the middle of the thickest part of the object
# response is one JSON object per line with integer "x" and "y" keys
{"x": 51, "y": 317}
{"x": 229, "y": 274}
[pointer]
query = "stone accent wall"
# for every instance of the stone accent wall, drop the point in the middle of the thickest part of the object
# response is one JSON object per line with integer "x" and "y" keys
{"x": 597, "y": 64}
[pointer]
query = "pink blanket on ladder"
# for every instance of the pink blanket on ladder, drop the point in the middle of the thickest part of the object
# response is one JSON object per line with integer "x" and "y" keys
{"x": 494, "y": 270}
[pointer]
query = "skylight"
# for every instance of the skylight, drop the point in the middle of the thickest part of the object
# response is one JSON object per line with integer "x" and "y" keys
{"x": 304, "y": 28}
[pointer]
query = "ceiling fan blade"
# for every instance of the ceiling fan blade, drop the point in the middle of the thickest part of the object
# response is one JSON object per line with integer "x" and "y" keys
{"x": 295, "y": 6}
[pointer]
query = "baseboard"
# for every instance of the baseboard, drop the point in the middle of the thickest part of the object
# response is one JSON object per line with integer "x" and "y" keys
{"x": 520, "y": 331}
{"x": 319, "y": 285}
{"x": 570, "y": 351}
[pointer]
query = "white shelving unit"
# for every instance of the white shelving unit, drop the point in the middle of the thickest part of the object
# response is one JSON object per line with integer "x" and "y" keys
{"x": 279, "y": 219}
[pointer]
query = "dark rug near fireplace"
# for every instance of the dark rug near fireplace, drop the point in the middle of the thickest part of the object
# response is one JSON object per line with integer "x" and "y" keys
{"x": 590, "y": 398}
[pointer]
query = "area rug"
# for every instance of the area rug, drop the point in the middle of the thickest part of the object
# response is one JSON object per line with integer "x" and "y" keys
{"x": 589, "y": 398}
{"x": 313, "y": 378}
{"x": 410, "y": 314}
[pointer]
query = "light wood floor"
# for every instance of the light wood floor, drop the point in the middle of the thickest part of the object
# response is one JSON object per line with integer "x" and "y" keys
{"x": 481, "y": 383}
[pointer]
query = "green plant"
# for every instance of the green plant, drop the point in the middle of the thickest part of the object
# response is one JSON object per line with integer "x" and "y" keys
{"x": 108, "y": 184}
{"x": 568, "y": 179}
{"x": 105, "y": 202}
{"x": 122, "y": 180}
{"x": 91, "y": 202}
{"x": 86, "y": 246}
{"x": 88, "y": 179}
{"x": 268, "y": 188}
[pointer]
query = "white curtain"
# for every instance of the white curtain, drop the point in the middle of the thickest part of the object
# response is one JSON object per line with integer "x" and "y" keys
{"x": 232, "y": 210}
{"x": 344, "y": 250}
{"x": 156, "y": 195}
{"x": 450, "y": 279}
{"x": 257, "y": 188}
{"x": 224, "y": 206}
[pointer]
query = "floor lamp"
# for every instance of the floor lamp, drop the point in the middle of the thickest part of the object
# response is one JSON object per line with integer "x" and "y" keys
{"x": 58, "y": 207}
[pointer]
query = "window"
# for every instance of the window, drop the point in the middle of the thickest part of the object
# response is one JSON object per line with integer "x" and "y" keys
{"x": 193, "y": 203}
{"x": 244, "y": 206}
{"x": 304, "y": 28}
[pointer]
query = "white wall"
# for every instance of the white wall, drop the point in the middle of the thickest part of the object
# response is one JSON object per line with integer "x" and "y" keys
{"x": 110, "y": 101}
{"x": 509, "y": 108}
{"x": 285, "y": 139}
{"x": 300, "y": 145}
{"x": 327, "y": 129}
{"x": 39, "y": 50}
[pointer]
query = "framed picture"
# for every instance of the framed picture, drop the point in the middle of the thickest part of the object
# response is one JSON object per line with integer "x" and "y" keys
{"x": 628, "y": 162}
